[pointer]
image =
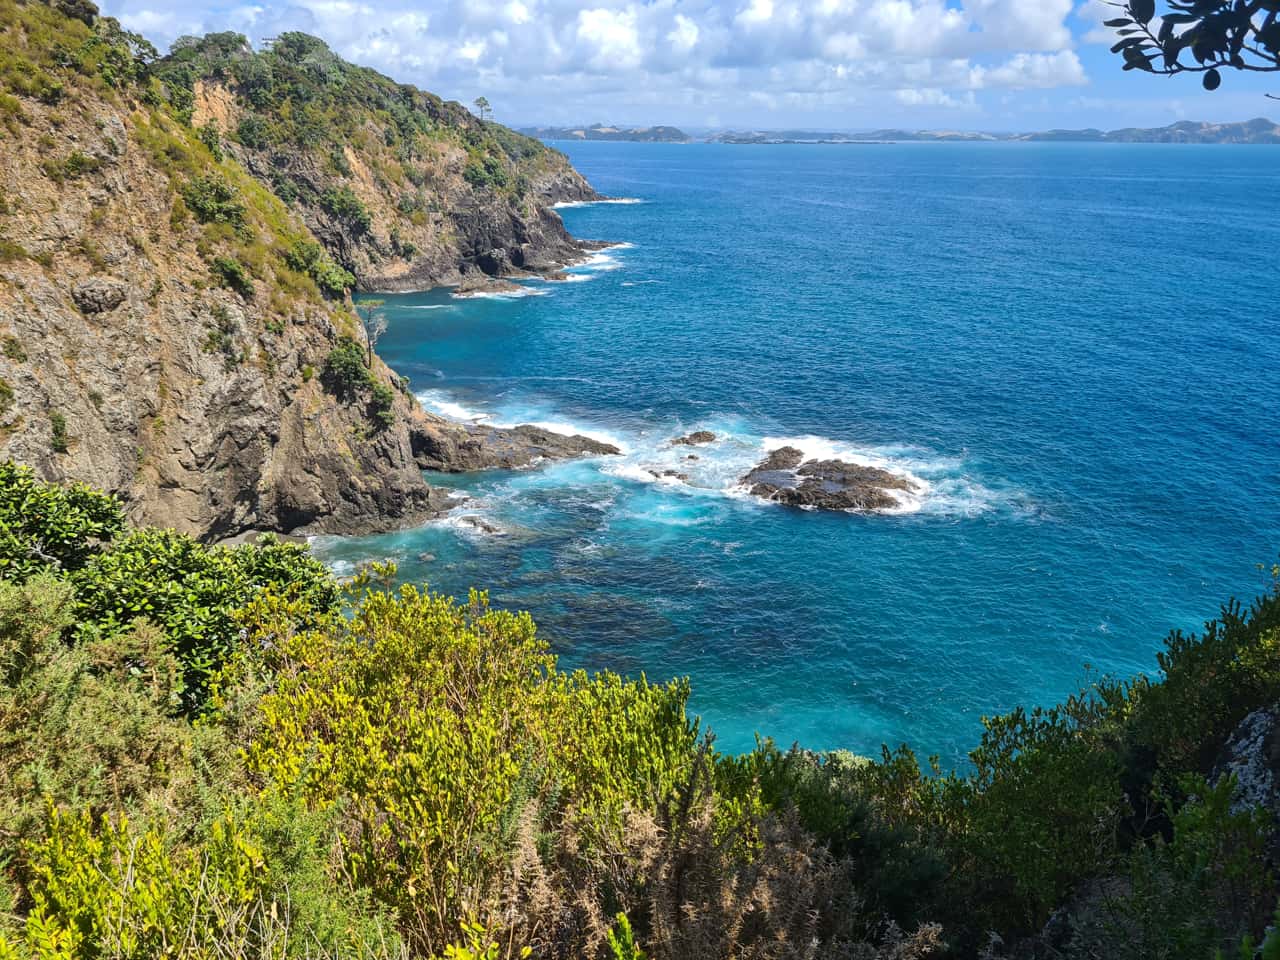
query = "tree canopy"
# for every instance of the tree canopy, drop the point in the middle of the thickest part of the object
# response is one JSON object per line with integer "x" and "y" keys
{"x": 1199, "y": 36}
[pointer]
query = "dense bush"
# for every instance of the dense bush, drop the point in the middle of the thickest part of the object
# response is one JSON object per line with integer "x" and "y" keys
{"x": 308, "y": 258}
{"x": 342, "y": 203}
{"x": 232, "y": 273}
{"x": 418, "y": 778}
{"x": 46, "y": 526}
{"x": 213, "y": 200}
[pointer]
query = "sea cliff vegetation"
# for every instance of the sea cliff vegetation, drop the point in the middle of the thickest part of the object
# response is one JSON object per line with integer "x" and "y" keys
{"x": 227, "y": 752}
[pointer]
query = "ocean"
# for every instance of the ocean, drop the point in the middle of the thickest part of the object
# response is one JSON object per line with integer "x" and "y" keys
{"x": 1074, "y": 347}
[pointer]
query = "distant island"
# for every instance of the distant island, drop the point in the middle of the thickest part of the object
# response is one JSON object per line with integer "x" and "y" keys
{"x": 1259, "y": 131}
{"x": 600, "y": 131}
{"x": 1186, "y": 131}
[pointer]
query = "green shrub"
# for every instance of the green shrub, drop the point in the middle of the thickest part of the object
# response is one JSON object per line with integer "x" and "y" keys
{"x": 6, "y": 396}
{"x": 192, "y": 593}
{"x": 58, "y": 439}
{"x": 213, "y": 200}
{"x": 344, "y": 205}
{"x": 345, "y": 372}
{"x": 230, "y": 272}
{"x": 47, "y": 526}
{"x": 439, "y": 726}
{"x": 308, "y": 258}
{"x": 71, "y": 167}
{"x": 212, "y": 139}
{"x": 382, "y": 399}
{"x": 13, "y": 350}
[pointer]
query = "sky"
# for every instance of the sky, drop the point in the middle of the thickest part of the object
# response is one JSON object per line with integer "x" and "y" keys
{"x": 998, "y": 65}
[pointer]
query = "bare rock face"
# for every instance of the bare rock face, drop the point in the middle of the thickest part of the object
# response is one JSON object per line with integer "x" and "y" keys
{"x": 784, "y": 476}
{"x": 1252, "y": 756}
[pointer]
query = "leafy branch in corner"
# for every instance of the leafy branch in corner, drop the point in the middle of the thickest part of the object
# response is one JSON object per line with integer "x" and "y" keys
{"x": 1216, "y": 34}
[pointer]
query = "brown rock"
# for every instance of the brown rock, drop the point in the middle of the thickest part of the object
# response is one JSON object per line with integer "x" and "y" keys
{"x": 785, "y": 477}
{"x": 694, "y": 439}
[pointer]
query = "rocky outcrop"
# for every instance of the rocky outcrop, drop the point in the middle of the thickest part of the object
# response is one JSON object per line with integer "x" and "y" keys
{"x": 694, "y": 439}
{"x": 479, "y": 447}
{"x": 784, "y": 476}
{"x": 480, "y": 284}
{"x": 1252, "y": 756}
{"x": 98, "y": 295}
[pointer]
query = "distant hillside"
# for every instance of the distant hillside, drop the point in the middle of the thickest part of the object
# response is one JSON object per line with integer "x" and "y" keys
{"x": 1252, "y": 131}
{"x": 599, "y": 131}
{"x": 404, "y": 189}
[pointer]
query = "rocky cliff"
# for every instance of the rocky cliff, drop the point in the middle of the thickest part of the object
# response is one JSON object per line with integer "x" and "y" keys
{"x": 171, "y": 330}
{"x": 405, "y": 190}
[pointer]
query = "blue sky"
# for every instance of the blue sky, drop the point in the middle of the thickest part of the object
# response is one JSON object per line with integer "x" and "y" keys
{"x": 764, "y": 64}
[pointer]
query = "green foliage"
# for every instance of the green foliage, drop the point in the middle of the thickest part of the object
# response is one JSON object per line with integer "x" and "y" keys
{"x": 192, "y": 592}
{"x": 71, "y": 167}
{"x": 6, "y": 396}
{"x": 345, "y": 372}
{"x": 485, "y": 171}
{"x": 421, "y": 695}
{"x": 347, "y": 375}
{"x": 13, "y": 350}
{"x": 622, "y": 941}
{"x": 58, "y": 438}
{"x": 212, "y": 139}
{"x": 46, "y": 526}
{"x": 342, "y": 203}
{"x": 308, "y": 258}
{"x": 213, "y": 200}
{"x": 230, "y": 272}
{"x": 91, "y": 725}
{"x": 1215, "y": 34}
{"x": 110, "y": 888}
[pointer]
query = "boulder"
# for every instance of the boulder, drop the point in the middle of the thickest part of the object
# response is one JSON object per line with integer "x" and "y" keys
{"x": 98, "y": 295}
{"x": 474, "y": 284}
{"x": 694, "y": 439}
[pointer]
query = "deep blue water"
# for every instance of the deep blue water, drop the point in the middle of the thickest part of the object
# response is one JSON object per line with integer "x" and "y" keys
{"x": 1076, "y": 346}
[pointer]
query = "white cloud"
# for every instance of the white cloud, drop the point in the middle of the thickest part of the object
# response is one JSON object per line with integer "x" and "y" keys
{"x": 659, "y": 57}
{"x": 1032, "y": 70}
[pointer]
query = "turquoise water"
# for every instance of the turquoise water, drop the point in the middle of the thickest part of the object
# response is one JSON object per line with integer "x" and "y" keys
{"x": 1077, "y": 347}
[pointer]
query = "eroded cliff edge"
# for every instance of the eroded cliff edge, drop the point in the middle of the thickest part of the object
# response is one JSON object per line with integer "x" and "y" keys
{"x": 169, "y": 323}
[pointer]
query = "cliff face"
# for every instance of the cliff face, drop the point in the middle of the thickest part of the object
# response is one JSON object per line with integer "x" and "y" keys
{"x": 405, "y": 190}
{"x": 169, "y": 329}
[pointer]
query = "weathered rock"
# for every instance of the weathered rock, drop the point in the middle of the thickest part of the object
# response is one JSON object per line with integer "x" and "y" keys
{"x": 476, "y": 284}
{"x": 558, "y": 276}
{"x": 1252, "y": 756}
{"x": 694, "y": 439}
{"x": 672, "y": 474}
{"x": 98, "y": 295}
{"x": 784, "y": 476}
{"x": 479, "y": 447}
{"x": 481, "y": 524}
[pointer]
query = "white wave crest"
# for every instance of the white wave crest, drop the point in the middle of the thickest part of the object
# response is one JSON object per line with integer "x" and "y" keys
{"x": 516, "y": 294}
{"x": 570, "y": 204}
{"x": 442, "y": 403}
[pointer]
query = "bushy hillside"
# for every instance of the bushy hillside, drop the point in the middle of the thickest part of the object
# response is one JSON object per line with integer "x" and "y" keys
{"x": 171, "y": 329}
{"x": 404, "y": 189}
{"x": 211, "y": 752}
